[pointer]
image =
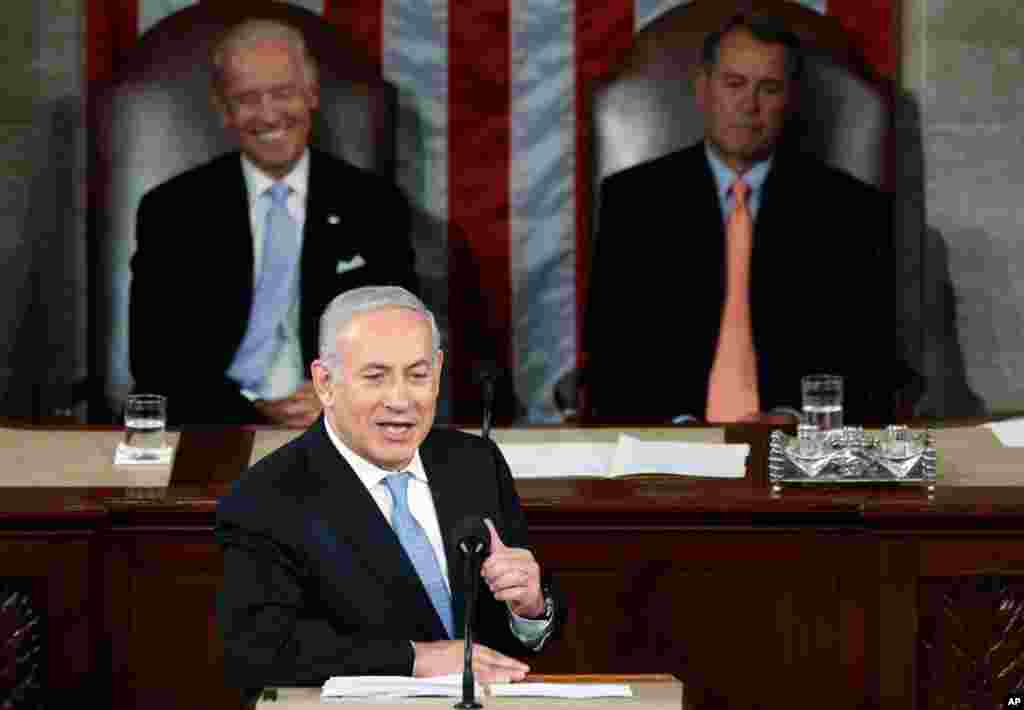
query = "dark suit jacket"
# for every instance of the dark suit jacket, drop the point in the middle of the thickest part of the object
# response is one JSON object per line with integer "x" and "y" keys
{"x": 317, "y": 584}
{"x": 192, "y": 282}
{"x": 820, "y": 288}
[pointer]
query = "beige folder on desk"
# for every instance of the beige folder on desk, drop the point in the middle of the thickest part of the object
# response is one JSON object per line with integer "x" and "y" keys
{"x": 650, "y": 692}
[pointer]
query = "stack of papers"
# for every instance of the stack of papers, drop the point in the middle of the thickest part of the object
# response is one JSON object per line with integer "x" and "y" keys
{"x": 450, "y": 686}
{"x": 393, "y": 686}
{"x": 629, "y": 456}
{"x": 1009, "y": 432}
{"x": 561, "y": 690}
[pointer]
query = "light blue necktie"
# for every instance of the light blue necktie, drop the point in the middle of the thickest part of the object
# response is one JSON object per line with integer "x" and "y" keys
{"x": 418, "y": 548}
{"x": 273, "y": 295}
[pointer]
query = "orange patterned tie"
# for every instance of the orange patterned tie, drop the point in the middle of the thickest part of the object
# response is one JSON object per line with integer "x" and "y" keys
{"x": 732, "y": 385}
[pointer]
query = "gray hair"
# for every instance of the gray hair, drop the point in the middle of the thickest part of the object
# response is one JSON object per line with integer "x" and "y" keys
{"x": 343, "y": 309}
{"x": 764, "y": 28}
{"x": 254, "y": 31}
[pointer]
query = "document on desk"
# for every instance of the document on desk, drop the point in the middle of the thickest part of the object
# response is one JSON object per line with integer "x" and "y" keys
{"x": 682, "y": 458}
{"x": 450, "y": 686}
{"x": 628, "y": 456}
{"x": 1009, "y": 432}
{"x": 558, "y": 459}
{"x": 561, "y": 690}
{"x": 387, "y": 687}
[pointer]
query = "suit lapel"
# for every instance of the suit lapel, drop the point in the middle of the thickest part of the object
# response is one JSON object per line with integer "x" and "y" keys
{"x": 774, "y": 273}
{"x": 707, "y": 251}
{"x": 451, "y": 506}
{"x": 353, "y": 514}
{"x": 234, "y": 235}
{"x": 324, "y": 240}
{"x": 713, "y": 226}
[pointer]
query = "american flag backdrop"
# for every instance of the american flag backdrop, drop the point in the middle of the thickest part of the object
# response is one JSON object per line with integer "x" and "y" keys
{"x": 492, "y": 152}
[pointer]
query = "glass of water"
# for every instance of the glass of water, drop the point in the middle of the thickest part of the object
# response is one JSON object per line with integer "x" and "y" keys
{"x": 822, "y": 402}
{"x": 145, "y": 421}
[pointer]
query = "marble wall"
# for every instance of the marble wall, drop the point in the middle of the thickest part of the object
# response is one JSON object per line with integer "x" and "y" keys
{"x": 42, "y": 218}
{"x": 963, "y": 68}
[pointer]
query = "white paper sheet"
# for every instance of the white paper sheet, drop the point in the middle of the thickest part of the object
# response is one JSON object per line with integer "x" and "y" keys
{"x": 562, "y": 690}
{"x": 558, "y": 459}
{"x": 634, "y": 455}
{"x": 1009, "y": 432}
{"x": 381, "y": 686}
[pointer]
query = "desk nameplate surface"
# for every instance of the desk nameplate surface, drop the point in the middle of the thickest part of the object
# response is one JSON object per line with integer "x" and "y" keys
{"x": 651, "y": 692}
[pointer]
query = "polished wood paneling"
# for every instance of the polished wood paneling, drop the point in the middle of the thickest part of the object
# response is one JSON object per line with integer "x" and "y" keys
{"x": 160, "y": 610}
{"x": 49, "y": 615}
{"x": 22, "y": 646}
{"x": 971, "y": 651}
{"x": 821, "y": 597}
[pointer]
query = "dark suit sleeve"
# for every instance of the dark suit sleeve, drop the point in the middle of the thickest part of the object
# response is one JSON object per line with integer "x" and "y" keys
{"x": 396, "y": 264}
{"x": 598, "y": 340}
{"x": 351, "y": 213}
{"x": 877, "y": 368}
{"x": 273, "y": 633}
{"x": 164, "y": 308}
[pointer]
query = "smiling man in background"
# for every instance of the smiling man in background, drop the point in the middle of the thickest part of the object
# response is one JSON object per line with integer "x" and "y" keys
{"x": 243, "y": 253}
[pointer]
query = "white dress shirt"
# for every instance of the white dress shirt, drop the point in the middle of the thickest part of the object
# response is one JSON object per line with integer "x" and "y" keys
{"x": 421, "y": 503}
{"x": 285, "y": 374}
{"x": 532, "y": 632}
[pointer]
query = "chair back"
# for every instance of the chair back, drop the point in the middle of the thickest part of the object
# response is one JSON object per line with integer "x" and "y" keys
{"x": 649, "y": 108}
{"x": 155, "y": 119}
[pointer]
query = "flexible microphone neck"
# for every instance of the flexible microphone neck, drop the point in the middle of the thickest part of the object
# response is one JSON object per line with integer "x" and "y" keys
{"x": 488, "y": 402}
{"x": 474, "y": 542}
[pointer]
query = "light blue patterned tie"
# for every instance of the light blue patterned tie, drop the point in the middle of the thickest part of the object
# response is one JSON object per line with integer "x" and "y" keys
{"x": 418, "y": 548}
{"x": 273, "y": 295}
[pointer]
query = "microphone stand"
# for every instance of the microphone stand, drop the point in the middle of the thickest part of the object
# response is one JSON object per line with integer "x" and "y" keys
{"x": 488, "y": 397}
{"x": 471, "y": 549}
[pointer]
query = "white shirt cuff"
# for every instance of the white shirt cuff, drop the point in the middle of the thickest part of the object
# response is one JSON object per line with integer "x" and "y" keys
{"x": 532, "y": 632}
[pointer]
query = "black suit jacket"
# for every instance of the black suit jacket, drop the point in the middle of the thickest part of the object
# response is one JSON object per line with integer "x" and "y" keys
{"x": 192, "y": 281}
{"x": 820, "y": 288}
{"x": 317, "y": 584}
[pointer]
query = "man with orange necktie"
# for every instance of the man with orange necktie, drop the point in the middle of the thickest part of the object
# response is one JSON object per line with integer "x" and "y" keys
{"x": 769, "y": 266}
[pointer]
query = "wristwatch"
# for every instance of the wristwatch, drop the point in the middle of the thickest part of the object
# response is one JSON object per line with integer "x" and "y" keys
{"x": 549, "y": 605}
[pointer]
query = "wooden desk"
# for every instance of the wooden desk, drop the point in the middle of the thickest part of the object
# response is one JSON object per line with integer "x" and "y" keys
{"x": 851, "y": 597}
{"x": 650, "y": 692}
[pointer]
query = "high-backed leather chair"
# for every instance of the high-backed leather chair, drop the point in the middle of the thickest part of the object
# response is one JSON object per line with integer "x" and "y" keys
{"x": 155, "y": 120}
{"x": 648, "y": 108}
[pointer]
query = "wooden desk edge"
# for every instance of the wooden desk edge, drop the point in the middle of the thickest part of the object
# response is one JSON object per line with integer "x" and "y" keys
{"x": 601, "y": 678}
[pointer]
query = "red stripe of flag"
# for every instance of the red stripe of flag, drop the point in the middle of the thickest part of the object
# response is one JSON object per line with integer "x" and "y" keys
{"x": 604, "y": 32}
{"x": 361, "y": 22}
{"x": 111, "y": 28}
{"x": 479, "y": 135}
{"x": 873, "y": 25}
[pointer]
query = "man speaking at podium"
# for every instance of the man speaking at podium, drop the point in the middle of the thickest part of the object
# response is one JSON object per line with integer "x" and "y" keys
{"x": 338, "y": 549}
{"x": 244, "y": 252}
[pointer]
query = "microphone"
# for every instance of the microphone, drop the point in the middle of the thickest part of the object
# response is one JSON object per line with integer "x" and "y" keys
{"x": 473, "y": 540}
{"x": 487, "y": 375}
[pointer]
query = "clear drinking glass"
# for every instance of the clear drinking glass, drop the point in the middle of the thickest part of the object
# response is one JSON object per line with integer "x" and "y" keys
{"x": 145, "y": 421}
{"x": 822, "y": 402}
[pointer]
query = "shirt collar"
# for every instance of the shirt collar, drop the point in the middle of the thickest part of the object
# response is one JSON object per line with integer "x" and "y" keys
{"x": 257, "y": 182}
{"x": 726, "y": 176}
{"x": 371, "y": 474}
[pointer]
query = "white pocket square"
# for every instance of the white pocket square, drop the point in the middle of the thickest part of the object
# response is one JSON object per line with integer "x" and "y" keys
{"x": 349, "y": 264}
